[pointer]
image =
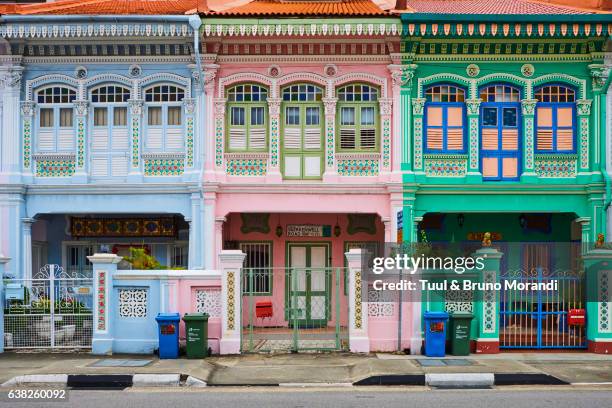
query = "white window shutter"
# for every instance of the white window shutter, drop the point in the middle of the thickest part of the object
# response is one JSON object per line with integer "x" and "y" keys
{"x": 237, "y": 138}
{"x": 99, "y": 139}
{"x": 258, "y": 138}
{"x": 65, "y": 139}
{"x": 292, "y": 138}
{"x": 154, "y": 138}
{"x": 119, "y": 166}
{"x": 174, "y": 139}
{"x": 312, "y": 166}
{"x": 46, "y": 141}
{"x": 293, "y": 166}
{"x": 121, "y": 140}
{"x": 312, "y": 138}
{"x": 99, "y": 166}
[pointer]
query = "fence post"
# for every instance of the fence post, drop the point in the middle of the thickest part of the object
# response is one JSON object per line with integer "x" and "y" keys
{"x": 486, "y": 309}
{"x": 598, "y": 270}
{"x": 104, "y": 266}
{"x": 359, "y": 342}
{"x": 230, "y": 264}
{"x": 3, "y": 261}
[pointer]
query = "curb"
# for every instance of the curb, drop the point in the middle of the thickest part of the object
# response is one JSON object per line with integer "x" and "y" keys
{"x": 97, "y": 381}
{"x": 464, "y": 380}
{"x": 314, "y": 385}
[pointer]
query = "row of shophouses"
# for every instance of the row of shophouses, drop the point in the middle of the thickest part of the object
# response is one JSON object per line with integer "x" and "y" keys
{"x": 251, "y": 150}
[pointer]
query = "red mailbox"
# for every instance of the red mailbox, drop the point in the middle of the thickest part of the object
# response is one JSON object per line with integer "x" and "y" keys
{"x": 263, "y": 308}
{"x": 576, "y": 317}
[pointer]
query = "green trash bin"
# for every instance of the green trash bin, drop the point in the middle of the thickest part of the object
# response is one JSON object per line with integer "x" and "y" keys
{"x": 460, "y": 333}
{"x": 196, "y": 332}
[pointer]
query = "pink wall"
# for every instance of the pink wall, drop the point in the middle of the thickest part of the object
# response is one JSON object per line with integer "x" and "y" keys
{"x": 279, "y": 247}
{"x": 185, "y": 298}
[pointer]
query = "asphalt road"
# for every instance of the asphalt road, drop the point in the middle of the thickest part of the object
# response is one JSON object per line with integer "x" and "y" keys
{"x": 336, "y": 398}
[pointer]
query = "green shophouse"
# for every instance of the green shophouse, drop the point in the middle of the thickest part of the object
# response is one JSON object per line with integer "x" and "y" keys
{"x": 504, "y": 132}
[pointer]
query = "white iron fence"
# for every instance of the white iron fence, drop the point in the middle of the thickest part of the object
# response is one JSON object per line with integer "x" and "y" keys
{"x": 51, "y": 310}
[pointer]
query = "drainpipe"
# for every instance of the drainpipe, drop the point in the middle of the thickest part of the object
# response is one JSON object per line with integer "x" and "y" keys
{"x": 195, "y": 22}
{"x": 603, "y": 160}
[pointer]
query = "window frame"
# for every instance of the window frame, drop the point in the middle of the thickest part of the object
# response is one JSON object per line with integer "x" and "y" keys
{"x": 269, "y": 271}
{"x": 56, "y": 107}
{"x": 357, "y": 126}
{"x": 444, "y": 106}
{"x": 554, "y": 127}
{"x": 110, "y": 108}
{"x": 164, "y": 105}
{"x": 248, "y": 107}
{"x": 500, "y": 154}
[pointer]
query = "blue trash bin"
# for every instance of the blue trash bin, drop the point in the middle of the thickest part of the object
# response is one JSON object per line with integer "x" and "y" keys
{"x": 435, "y": 333}
{"x": 168, "y": 331}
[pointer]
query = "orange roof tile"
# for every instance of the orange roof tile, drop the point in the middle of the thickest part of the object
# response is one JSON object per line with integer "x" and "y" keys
{"x": 147, "y": 7}
{"x": 305, "y": 8}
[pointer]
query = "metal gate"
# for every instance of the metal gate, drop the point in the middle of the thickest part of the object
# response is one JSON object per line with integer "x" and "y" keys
{"x": 293, "y": 309}
{"x": 51, "y": 310}
{"x": 531, "y": 318}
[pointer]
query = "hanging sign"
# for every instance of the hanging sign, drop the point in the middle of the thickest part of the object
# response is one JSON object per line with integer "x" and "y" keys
{"x": 295, "y": 230}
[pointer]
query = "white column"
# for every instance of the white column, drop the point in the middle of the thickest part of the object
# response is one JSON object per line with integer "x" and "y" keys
{"x": 104, "y": 266}
{"x": 3, "y": 261}
{"x": 329, "y": 138}
{"x": 359, "y": 341}
{"x": 388, "y": 229}
{"x": 274, "y": 158}
{"x": 136, "y": 111}
{"x": 230, "y": 264}
{"x": 10, "y": 145}
{"x": 27, "y": 247}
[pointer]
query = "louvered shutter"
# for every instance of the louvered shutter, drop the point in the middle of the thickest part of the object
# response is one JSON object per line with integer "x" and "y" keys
{"x": 99, "y": 139}
{"x": 454, "y": 130}
{"x": 119, "y": 165}
{"x": 65, "y": 141}
{"x": 368, "y": 138}
{"x": 174, "y": 139}
{"x": 46, "y": 140}
{"x": 510, "y": 139}
{"x": 434, "y": 134}
{"x": 120, "y": 140}
{"x": 565, "y": 131}
{"x": 347, "y": 138}
{"x": 544, "y": 135}
{"x": 292, "y": 139}
{"x": 257, "y": 138}
{"x": 312, "y": 138}
{"x": 99, "y": 166}
{"x": 154, "y": 138}
{"x": 237, "y": 138}
{"x": 490, "y": 139}
{"x": 454, "y": 139}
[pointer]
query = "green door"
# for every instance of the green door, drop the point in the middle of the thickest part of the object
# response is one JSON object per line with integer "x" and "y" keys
{"x": 302, "y": 132}
{"x": 309, "y": 284}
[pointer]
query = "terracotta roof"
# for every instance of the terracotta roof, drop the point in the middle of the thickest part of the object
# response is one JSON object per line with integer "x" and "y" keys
{"x": 148, "y": 7}
{"x": 306, "y": 8}
{"x": 489, "y": 7}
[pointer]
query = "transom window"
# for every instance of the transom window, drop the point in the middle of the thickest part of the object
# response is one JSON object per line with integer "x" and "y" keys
{"x": 555, "y": 119}
{"x": 445, "y": 93}
{"x": 247, "y": 93}
{"x": 357, "y": 93}
{"x": 444, "y": 119}
{"x": 56, "y": 94}
{"x": 555, "y": 93}
{"x": 302, "y": 93}
{"x": 358, "y": 113}
{"x": 247, "y": 123}
{"x": 500, "y": 93}
{"x": 164, "y": 93}
{"x": 110, "y": 94}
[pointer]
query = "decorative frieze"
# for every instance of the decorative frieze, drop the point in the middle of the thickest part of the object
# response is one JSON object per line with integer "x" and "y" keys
{"x": 445, "y": 165}
{"x": 556, "y": 166}
{"x": 164, "y": 167}
{"x": 80, "y": 30}
{"x": 358, "y": 166}
{"x": 246, "y": 164}
{"x": 54, "y": 166}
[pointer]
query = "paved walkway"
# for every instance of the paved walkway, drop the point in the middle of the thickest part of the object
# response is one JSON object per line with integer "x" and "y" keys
{"x": 259, "y": 369}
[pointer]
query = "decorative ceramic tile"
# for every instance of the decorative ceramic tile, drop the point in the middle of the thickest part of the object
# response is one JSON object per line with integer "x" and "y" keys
{"x": 164, "y": 167}
{"x": 358, "y": 167}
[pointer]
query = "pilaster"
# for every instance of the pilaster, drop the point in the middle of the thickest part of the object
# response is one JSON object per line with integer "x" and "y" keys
{"x": 10, "y": 159}
{"x": 418, "y": 105}
{"x": 486, "y": 309}
{"x": 80, "y": 109}
{"x": 359, "y": 340}
{"x": 528, "y": 107}
{"x": 230, "y": 264}
{"x": 473, "y": 117}
{"x": 136, "y": 112}
{"x": 273, "y": 174}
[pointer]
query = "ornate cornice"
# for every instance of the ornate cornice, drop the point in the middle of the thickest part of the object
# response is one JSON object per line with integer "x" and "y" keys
{"x": 94, "y": 30}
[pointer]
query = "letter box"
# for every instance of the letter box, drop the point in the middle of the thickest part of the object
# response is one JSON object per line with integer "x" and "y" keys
{"x": 263, "y": 308}
{"x": 576, "y": 317}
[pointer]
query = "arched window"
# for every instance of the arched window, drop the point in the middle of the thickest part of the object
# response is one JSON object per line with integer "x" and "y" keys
{"x": 110, "y": 140}
{"x": 358, "y": 117}
{"x": 164, "y": 118}
{"x": 499, "y": 132}
{"x": 302, "y": 119}
{"x": 247, "y": 117}
{"x": 555, "y": 119}
{"x": 56, "y": 119}
{"x": 444, "y": 119}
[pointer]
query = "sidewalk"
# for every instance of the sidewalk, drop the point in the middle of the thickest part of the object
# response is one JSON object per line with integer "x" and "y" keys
{"x": 260, "y": 369}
